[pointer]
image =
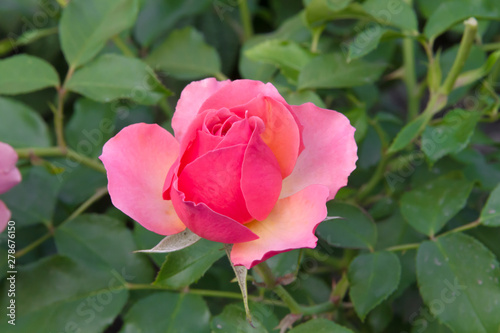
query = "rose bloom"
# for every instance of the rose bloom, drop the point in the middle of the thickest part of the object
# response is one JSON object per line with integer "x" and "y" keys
{"x": 9, "y": 177}
{"x": 244, "y": 168}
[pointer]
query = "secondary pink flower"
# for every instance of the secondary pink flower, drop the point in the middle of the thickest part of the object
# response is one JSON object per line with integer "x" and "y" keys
{"x": 245, "y": 168}
{"x": 9, "y": 177}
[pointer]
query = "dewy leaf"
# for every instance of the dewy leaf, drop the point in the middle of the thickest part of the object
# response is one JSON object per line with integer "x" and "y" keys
{"x": 332, "y": 71}
{"x": 354, "y": 229}
{"x": 22, "y": 126}
{"x": 58, "y": 294}
{"x": 241, "y": 275}
{"x": 452, "y": 12}
{"x": 167, "y": 312}
{"x": 373, "y": 277}
{"x": 24, "y": 73}
{"x": 86, "y": 25}
{"x": 185, "y": 55}
{"x": 320, "y": 325}
{"x": 113, "y": 76}
{"x": 459, "y": 279}
{"x": 490, "y": 215}
{"x": 427, "y": 208}
{"x": 452, "y": 135}
{"x": 183, "y": 267}
{"x": 174, "y": 242}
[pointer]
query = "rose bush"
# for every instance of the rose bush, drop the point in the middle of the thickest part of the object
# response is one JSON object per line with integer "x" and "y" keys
{"x": 9, "y": 177}
{"x": 245, "y": 168}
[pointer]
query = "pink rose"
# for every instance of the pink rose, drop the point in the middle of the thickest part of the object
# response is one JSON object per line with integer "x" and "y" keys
{"x": 244, "y": 168}
{"x": 9, "y": 177}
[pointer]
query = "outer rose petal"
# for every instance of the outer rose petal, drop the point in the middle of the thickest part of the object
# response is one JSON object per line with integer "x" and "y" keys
{"x": 9, "y": 174}
{"x": 137, "y": 160}
{"x": 240, "y": 92}
{"x": 208, "y": 224}
{"x": 192, "y": 97}
{"x": 290, "y": 225}
{"x": 329, "y": 156}
{"x": 4, "y": 216}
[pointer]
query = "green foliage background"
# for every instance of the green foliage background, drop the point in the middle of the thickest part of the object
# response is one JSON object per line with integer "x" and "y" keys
{"x": 417, "y": 249}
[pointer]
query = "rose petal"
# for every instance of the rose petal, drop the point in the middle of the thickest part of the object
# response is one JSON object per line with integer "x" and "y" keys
{"x": 329, "y": 155}
{"x": 4, "y": 216}
{"x": 208, "y": 224}
{"x": 9, "y": 174}
{"x": 260, "y": 176}
{"x": 137, "y": 160}
{"x": 290, "y": 225}
{"x": 240, "y": 92}
{"x": 281, "y": 132}
{"x": 214, "y": 179}
{"x": 188, "y": 106}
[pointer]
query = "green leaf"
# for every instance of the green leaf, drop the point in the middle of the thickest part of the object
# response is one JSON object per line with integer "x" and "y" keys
{"x": 303, "y": 96}
{"x": 166, "y": 312}
{"x": 320, "y": 325}
{"x": 232, "y": 319}
{"x": 409, "y": 133}
{"x": 147, "y": 239}
{"x": 79, "y": 182}
{"x": 365, "y": 42}
{"x": 332, "y": 71}
{"x": 158, "y": 16}
{"x": 428, "y": 324}
{"x": 38, "y": 191}
{"x": 354, "y": 229}
{"x": 113, "y": 76}
{"x": 185, "y": 55}
{"x": 395, "y": 13}
{"x": 452, "y": 12}
{"x": 24, "y": 73}
{"x": 427, "y": 208}
{"x": 451, "y": 135}
{"x": 90, "y": 126}
{"x": 86, "y": 25}
{"x": 373, "y": 277}
{"x": 57, "y": 294}
{"x": 321, "y": 11}
{"x": 289, "y": 56}
{"x": 459, "y": 281}
{"x": 490, "y": 214}
{"x": 87, "y": 239}
{"x": 359, "y": 120}
{"x": 284, "y": 263}
{"x": 186, "y": 266}
{"x": 174, "y": 242}
{"x": 21, "y": 126}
